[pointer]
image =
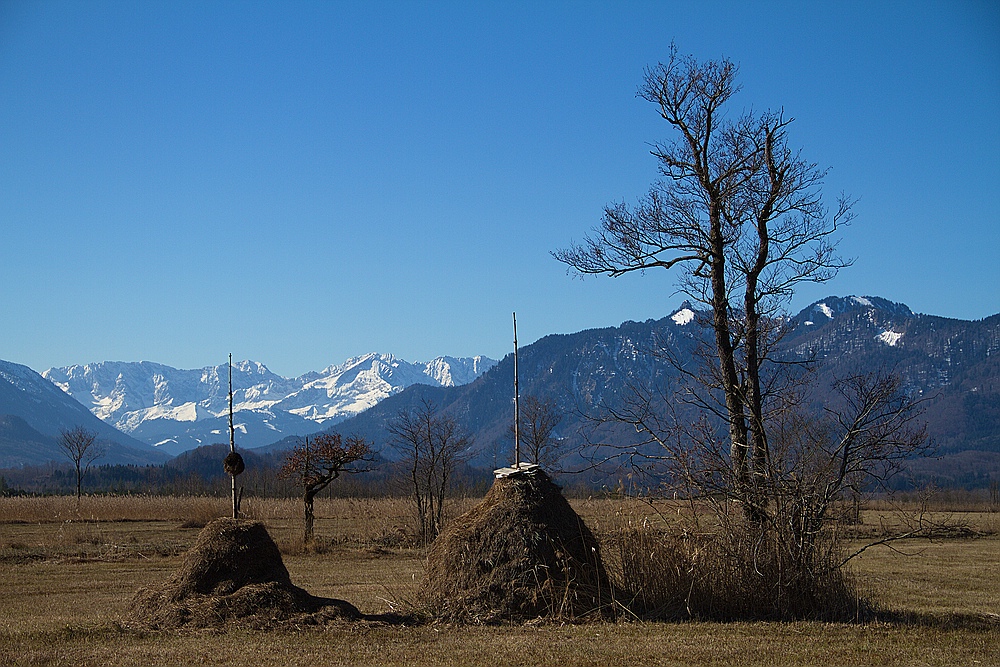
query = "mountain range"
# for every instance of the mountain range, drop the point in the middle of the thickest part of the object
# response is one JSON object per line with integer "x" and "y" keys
{"x": 177, "y": 410}
{"x": 952, "y": 363}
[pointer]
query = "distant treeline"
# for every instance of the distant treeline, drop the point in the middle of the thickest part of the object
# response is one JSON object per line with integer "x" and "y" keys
{"x": 199, "y": 472}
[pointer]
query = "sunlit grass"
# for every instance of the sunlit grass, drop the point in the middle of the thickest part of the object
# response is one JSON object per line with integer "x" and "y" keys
{"x": 67, "y": 579}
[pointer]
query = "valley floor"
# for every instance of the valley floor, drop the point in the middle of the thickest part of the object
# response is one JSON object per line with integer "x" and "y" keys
{"x": 66, "y": 583}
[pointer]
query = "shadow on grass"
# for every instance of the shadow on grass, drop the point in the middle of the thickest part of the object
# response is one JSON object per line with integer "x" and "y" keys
{"x": 939, "y": 621}
{"x": 405, "y": 620}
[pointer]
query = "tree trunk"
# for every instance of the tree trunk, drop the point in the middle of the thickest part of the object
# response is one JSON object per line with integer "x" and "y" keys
{"x": 751, "y": 302}
{"x": 307, "y": 499}
{"x": 739, "y": 447}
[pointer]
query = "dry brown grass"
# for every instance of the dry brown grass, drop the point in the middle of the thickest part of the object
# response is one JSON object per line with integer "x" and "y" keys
{"x": 60, "y": 607}
{"x": 935, "y": 576}
{"x": 634, "y": 645}
{"x": 384, "y": 521}
{"x": 58, "y": 509}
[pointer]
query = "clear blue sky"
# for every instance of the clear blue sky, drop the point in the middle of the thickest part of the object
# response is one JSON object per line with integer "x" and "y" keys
{"x": 302, "y": 182}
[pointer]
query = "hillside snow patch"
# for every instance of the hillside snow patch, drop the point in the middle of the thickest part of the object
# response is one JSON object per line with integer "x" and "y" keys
{"x": 890, "y": 338}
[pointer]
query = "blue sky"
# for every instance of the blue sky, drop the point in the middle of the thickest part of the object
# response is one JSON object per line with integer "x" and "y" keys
{"x": 298, "y": 183}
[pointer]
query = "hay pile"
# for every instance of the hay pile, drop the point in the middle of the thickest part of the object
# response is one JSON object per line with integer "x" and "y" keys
{"x": 234, "y": 572}
{"x": 522, "y": 553}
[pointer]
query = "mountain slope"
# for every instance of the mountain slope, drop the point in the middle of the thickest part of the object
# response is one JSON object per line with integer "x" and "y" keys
{"x": 581, "y": 372}
{"x": 22, "y": 445}
{"x": 954, "y": 364}
{"x": 36, "y": 411}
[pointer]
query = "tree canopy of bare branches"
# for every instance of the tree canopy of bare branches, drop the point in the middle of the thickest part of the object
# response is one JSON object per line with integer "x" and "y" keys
{"x": 432, "y": 446}
{"x": 317, "y": 461}
{"x": 739, "y": 215}
{"x": 539, "y": 418}
{"x": 81, "y": 447}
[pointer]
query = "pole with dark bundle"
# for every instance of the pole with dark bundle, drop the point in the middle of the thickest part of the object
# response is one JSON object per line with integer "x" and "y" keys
{"x": 233, "y": 463}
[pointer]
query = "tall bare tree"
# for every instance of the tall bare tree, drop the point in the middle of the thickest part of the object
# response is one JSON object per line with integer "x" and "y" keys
{"x": 433, "y": 446}
{"x": 81, "y": 447}
{"x": 739, "y": 215}
{"x": 317, "y": 461}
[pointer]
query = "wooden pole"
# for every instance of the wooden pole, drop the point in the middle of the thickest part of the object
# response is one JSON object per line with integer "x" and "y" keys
{"x": 232, "y": 437}
{"x": 517, "y": 410}
{"x": 232, "y": 430}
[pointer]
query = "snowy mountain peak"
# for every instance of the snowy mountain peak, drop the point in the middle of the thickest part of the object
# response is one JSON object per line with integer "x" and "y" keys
{"x": 683, "y": 315}
{"x": 154, "y": 402}
{"x": 825, "y": 309}
{"x": 835, "y": 306}
{"x": 452, "y": 372}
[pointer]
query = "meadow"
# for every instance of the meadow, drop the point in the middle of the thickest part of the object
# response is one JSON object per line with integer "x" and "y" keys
{"x": 67, "y": 575}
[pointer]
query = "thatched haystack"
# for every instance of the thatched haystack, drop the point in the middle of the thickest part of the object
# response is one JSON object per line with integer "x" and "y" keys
{"x": 521, "y": 554}
{"x": 234, "y": 572}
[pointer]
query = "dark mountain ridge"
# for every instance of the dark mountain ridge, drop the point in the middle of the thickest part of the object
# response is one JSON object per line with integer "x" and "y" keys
{"x": 953, "y": 364}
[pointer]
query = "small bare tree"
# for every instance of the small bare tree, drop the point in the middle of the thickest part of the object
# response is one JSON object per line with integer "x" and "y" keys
{"x": 317, "y": 461}
{"x": 433, "y": 446}
{"x": 81, "y": 447}
{"x": 538, "y": 421}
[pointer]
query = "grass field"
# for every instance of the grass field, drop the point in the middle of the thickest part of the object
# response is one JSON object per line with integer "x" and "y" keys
{"x": 67, "y": 577}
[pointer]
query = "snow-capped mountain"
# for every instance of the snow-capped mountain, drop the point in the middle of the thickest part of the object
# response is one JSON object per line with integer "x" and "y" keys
{"x": 953, "y": 364}
{"x": 33, "y": 413}
{"x": 177, "y": 410}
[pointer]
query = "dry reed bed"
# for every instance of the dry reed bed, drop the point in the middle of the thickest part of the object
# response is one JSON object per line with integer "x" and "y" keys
{"x": 380, "y": 521}
{"x": 369, "y": 519}
{"x": 57, "y": 509}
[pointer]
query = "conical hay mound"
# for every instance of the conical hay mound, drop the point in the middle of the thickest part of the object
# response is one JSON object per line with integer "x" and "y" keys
{"x": 234, "y": 571}
{"x": 522, "y": 553}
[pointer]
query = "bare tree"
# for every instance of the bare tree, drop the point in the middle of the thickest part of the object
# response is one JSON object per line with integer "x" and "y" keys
{"x": 739, "y": 214}
{"x": 432, "y": 445}
{"x": 81, "y": 447}
{"x": 538, "y": 421}
{"x": 317, "y": 461}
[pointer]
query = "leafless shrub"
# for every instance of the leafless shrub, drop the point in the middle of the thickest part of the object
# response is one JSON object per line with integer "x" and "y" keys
{"x": 432, "y": 446}
{"x": 728, "y": 575}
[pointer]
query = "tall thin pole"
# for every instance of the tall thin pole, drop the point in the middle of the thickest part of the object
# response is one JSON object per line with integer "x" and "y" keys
{"x": 232, "y": 437}
{"x": 517, "y": 410}
{"x": 232, "y": 431}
